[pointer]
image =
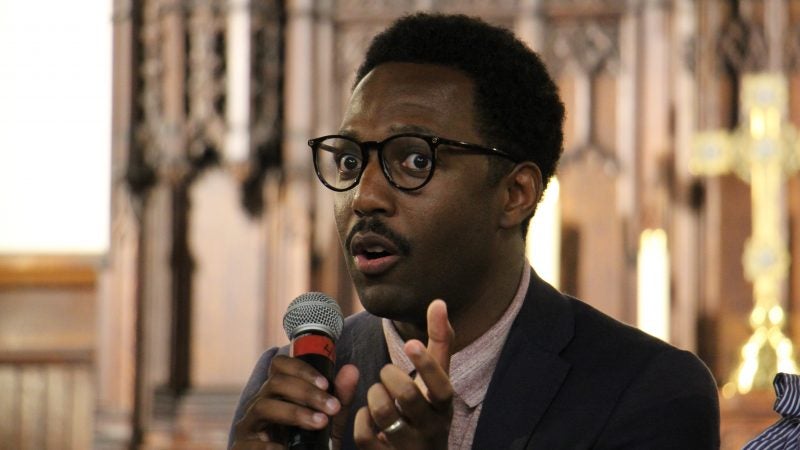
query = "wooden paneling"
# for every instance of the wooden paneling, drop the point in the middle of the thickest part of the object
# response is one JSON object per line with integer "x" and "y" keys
{"x": 35, "y": 319}
{"x": 227, "y": 285}
{"x": 590, "y": 204}
{"x": 32, "y": 407}
{"x": 45, "y": 406}
{"x": 9, "y": 399}
{"x": 793, "y": 197}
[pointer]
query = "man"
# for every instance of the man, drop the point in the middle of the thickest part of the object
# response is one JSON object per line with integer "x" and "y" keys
{"x": 450, "y": 135}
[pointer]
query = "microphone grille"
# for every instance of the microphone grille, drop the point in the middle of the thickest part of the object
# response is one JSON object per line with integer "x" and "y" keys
{"x": 313, "y": 311}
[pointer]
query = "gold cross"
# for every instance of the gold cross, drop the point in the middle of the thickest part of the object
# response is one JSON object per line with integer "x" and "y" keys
{"x": 764, "y": 152}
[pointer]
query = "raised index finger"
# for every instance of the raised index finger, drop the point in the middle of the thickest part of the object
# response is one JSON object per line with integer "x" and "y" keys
{"x": 432, "y": 363}
{"x": 440, "y": 334}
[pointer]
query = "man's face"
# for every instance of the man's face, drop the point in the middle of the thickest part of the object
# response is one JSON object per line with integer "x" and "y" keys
{"x": 405, "y": 249}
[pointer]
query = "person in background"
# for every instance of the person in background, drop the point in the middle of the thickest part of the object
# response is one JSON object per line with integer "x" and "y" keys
{"x": 452, "y": 131}
{"x": 785, "y": 433}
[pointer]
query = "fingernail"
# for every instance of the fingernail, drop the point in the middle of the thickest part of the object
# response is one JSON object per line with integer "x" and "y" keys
{"x": 321, "y": 382}
{"x": 332, "y": 405}
{"x": 416, "y": 348}
{"x": 318, "y": 418}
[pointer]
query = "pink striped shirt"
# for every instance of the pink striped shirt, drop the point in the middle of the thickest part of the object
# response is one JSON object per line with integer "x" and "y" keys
{"x": 471, "y": 368}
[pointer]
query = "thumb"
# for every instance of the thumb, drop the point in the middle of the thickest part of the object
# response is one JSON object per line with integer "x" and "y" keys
{"x": 345, "y": 390}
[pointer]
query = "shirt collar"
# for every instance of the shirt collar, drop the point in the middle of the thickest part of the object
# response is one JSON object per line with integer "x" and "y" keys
{"x": 472, "y": 367}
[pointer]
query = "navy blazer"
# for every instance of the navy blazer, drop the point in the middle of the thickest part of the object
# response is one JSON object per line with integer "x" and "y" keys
{"x": 568, "y": 377}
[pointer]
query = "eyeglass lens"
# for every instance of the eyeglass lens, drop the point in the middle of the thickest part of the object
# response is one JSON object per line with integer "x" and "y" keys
{"x": 407, "y": 160}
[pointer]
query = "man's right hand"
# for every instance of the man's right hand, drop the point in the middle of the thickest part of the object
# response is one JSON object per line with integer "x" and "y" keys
{"x": 295, "y": 394}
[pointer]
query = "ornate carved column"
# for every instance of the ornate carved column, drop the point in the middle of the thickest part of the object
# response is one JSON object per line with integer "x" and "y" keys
{"x": 119, "y": 278}
{"x": 588, "y": 48}
{"x": 197, "y": 133}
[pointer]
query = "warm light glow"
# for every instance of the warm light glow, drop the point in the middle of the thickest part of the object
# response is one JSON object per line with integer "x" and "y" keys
{"x": 765, "y": 122}
{"x": 747, "y": 374}
{"x": 653, "y": 284}
{"x": 237, "y": 82}
{"x": 773, "y": 128}
{"x": 55, "y": 105}
{"x": 544, "y": 236}
{"x": 776, "y": 315}
{"x": 757, "y": 125}
{"x": 729, "y": 390}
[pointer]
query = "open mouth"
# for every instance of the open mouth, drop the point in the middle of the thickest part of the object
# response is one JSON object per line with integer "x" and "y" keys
{"x": 373, "y": 254}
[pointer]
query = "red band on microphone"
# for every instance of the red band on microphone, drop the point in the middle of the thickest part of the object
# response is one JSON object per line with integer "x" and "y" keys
{"x": 314, "y": 344}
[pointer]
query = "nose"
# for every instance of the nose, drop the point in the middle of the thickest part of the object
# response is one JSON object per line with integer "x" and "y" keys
{"x": 373, "y": 194}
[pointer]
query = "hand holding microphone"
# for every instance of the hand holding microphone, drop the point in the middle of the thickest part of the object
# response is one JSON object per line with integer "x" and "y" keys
{"x": 313, "y": 323}
{"x": 294, "y": 407}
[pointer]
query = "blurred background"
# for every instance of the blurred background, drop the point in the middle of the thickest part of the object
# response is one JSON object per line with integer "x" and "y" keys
{"x": 158, "y": 207}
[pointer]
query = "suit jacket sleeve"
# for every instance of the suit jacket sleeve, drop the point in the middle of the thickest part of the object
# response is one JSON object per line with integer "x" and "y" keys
{"x": 672, "y": 404}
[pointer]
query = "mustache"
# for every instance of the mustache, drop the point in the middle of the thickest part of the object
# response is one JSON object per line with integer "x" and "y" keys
{"x": 376, "y": 226}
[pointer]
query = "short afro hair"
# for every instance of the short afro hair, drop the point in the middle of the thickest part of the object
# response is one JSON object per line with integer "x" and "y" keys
{"x": 517, "y": 103}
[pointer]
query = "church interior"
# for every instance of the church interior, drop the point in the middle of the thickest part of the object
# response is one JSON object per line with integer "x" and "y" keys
{"x": 139, "y": 283}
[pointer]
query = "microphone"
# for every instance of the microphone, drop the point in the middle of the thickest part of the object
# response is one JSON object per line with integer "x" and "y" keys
{"x": 313, "y": 322}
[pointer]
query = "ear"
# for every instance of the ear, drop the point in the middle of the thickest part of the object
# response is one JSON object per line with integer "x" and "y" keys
{"x": 523, "y": 189}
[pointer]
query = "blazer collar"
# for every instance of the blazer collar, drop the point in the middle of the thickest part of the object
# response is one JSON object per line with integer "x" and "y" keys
{"x": 530, "y": 370}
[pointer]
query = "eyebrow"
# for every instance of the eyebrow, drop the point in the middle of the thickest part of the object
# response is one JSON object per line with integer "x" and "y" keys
{"x": 350, "y": 134}
{"x": 396, "y": 129}
{"x": 393, "y": 129}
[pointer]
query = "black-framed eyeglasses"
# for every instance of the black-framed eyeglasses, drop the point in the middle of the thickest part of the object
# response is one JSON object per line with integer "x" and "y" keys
{"x": 408, "y": 160}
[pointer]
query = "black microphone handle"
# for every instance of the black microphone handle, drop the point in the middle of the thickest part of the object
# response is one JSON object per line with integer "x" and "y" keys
{"x": 298, "y": 438}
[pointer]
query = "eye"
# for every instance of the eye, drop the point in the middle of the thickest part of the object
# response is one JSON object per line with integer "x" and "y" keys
{"x": 348, "y": 163}
{"x": 417, "y": 162}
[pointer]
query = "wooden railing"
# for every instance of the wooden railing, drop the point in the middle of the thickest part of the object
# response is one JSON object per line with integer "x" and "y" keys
{"x": 47, "y": 324}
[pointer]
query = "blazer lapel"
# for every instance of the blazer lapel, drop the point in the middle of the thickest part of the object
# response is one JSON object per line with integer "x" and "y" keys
{"x": 529, "y": 372}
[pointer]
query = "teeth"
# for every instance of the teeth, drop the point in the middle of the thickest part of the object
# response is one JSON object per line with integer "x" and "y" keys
{"x": 375, "y": 249}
